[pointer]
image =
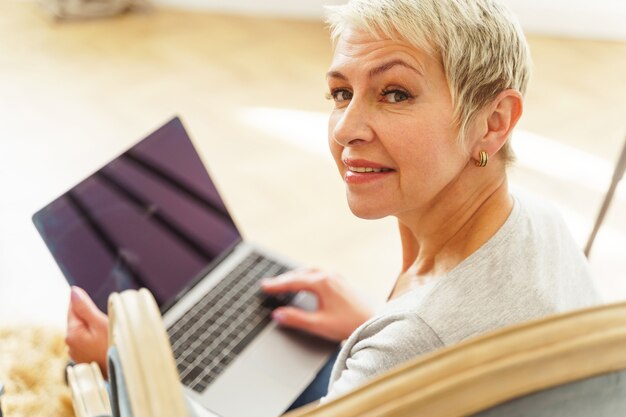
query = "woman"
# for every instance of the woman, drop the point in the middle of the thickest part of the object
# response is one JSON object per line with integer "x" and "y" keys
{"x": 426, "y": 93}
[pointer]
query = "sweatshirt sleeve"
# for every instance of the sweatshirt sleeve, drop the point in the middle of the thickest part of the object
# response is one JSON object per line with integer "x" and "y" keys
{"x": 378, "y": 346}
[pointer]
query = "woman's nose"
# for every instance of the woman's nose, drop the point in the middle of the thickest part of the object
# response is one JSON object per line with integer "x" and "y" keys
{"x": 351, "y": 125}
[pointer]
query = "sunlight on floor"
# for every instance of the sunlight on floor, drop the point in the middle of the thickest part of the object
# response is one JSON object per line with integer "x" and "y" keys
{"x": 305, "y": 129}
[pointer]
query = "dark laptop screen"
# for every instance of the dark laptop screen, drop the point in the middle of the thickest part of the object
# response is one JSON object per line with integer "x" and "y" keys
{"x": 150, "y": 218}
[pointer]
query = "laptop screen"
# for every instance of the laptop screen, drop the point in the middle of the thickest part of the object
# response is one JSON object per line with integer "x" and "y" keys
{"x": 150, "y": 218}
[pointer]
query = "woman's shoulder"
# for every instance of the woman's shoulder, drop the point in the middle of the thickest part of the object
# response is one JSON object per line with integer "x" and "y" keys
{"x": 531, "y": 218}
{"x": 543, "y": 244}
{"x": 389, "y": 326}
{"x": 531, "y": 268}
{"x": 383, "y": 342}
{"x": 535, "y": 230}
{"x": 540, "y": 214}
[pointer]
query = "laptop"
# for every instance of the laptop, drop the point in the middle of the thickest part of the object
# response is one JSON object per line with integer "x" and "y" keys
{"x": 153, "y": 218}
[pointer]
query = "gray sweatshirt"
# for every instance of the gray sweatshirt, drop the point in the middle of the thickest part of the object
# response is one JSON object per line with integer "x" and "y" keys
{"x": 530, "y": 268}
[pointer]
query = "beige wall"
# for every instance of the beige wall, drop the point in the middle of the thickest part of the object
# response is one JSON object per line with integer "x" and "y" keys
{"x": 594, "y": 19}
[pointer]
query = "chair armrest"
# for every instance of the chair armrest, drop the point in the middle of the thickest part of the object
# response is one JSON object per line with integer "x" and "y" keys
{"x": 89, "y": 394}
{"x": 1, "y": 392}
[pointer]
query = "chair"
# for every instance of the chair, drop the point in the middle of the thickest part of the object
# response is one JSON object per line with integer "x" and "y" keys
{"x": 571, "y": 364}
{"x": 142, "y": 373}
{"x": 547, "y": 367}
{"x": 1, "y": 392}
{"x": 618, "y": 173}
{"x": 89, "y": 395}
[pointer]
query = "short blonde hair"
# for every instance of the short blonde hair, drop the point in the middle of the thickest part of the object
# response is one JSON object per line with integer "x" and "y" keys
{"x": 479, "y": 42}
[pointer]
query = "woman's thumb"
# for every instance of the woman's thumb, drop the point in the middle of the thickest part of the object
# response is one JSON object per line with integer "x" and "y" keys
{"x": 295, "y": 318}
{"x": 82, "y": 306}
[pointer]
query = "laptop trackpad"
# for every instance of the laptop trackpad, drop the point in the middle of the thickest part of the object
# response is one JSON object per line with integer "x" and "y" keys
{"x": 268, "y": 375}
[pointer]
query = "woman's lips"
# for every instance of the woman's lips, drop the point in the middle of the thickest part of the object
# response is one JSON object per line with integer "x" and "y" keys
{"x": 365, "y": 177}
{"x": 359, "y": 171}
{"x": 362, "y": 163}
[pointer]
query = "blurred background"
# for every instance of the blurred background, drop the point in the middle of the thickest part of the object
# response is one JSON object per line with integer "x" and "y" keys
{"x": 247, "y": 79}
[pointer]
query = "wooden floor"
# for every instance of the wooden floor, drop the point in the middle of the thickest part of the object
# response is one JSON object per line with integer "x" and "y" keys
{"x": 251, "y": 92}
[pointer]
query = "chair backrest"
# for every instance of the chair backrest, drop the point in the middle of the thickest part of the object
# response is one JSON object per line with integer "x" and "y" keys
{"x": 618, "y": 173}
{"x": 143, "y": 375}
{"x": 518, "y": 365}
{"x": 599, "y": 396}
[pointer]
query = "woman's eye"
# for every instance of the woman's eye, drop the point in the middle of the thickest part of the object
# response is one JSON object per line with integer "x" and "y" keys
{"x": 395, "y": 96}
{"x": 341, "y": 95}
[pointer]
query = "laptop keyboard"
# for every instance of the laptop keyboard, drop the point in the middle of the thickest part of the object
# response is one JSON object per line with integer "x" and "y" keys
{"x": 207, "y": 338}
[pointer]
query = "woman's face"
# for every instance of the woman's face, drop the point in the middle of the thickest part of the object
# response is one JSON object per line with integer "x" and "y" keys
{"x": 391, "y": 132}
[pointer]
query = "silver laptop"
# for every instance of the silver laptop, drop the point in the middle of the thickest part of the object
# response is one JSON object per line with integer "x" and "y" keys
{"x": 153, "y": 218}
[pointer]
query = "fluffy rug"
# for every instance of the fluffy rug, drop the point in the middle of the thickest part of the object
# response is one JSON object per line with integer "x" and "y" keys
{"x": 32, "y": 362}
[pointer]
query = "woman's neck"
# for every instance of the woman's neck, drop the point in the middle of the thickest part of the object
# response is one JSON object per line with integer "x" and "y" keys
{"x": 436, "y": 240}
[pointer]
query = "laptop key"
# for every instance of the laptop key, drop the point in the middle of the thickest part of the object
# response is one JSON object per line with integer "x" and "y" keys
{"x": 221, "y": 324}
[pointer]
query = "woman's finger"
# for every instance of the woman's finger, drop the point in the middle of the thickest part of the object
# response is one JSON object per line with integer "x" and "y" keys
{"x": 288, "y": 278}
{"x": 311, "y": 281}
{"x": 293, "y": 273}
{"x": 296, "y": 318}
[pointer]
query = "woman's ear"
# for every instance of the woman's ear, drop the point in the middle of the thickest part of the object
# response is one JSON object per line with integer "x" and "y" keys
{"x": 498, "y": 121}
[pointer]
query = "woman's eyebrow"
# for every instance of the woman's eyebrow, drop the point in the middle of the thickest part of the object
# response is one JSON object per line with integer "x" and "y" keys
{"x": 377, "y": 70}
{"x": 388, "y": 65}
{"x": 336, "y": 74}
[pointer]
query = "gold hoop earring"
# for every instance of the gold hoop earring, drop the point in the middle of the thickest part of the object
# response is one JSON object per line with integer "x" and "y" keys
{"x": 484, "y": 158}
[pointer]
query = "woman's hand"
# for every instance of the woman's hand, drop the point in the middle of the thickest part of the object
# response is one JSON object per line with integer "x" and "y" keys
{"x": 340, "y": 310}
{"x": 87, "y": 330}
